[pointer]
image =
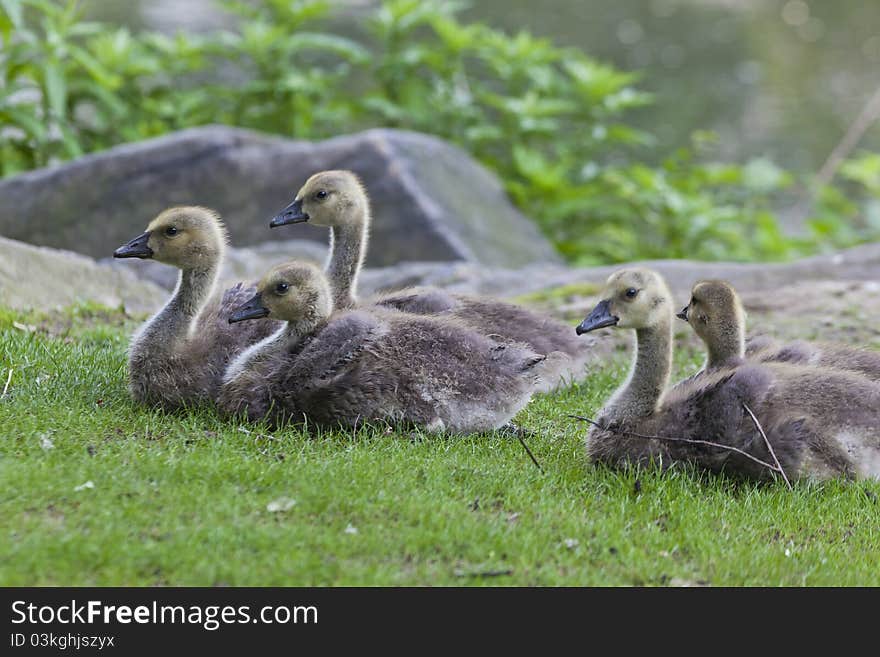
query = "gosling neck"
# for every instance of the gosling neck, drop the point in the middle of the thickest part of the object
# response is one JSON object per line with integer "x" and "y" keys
{"x": 295, "y": 331}
{"x": 348, "y": 244}
{"x": 265, "y": 350}
{"x": 173, "y": 324}
{"x": 286, "y": 339}
{"x": 726, "y": 345}
{"x": 642, "y": 393}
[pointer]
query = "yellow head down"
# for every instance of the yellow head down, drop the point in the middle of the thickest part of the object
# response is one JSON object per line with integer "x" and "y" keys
{"x": 296, "y": 292}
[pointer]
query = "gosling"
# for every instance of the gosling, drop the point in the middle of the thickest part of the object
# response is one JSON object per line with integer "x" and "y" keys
{"x": 338, "y": 200}
{"x": 717, "y": 315}
{"x": 179, "y": 355}
{"x": 349, "y": 367}
{"x": 821, "y": 424}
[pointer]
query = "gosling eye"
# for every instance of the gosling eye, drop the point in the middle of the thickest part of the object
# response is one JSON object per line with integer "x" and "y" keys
{"x": 631, "y": 293}
{"x": 321, "y": 194}
{"x": 171, "y": 231}
{"x": 282, "y": 288}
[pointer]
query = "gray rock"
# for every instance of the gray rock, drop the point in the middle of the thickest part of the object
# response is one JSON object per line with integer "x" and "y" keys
{"x": 43, "y": 279}
{"x": 466, "y": 278}
{"x": 431, "y": 201}
{"x": 251, "y": 262}
{"x": 858, "y": 263}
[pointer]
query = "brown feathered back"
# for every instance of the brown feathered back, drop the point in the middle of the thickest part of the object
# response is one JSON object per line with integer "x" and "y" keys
{"x": 381, "y": 365}
{"x": 820, "y": 423}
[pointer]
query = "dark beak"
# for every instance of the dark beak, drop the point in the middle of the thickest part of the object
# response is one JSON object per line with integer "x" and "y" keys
{"x": 292, "y": 214}
{"x": 253, "y": 309}
{"x": 599, "y": 318}
{"x": 683, "y": 313}
{"x": 136, "y": 248}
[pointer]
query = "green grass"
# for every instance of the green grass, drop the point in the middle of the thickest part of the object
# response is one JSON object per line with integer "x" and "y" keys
{"x": 182, "y": 499}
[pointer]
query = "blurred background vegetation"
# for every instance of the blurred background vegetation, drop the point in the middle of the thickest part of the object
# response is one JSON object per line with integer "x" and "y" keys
{"x": 709, "y": 150}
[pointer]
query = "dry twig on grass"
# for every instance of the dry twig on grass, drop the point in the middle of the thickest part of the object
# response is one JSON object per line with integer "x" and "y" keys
{"x": 529, "y": 452}
{"x": 484, "y": 573}
{"x": 8, "y": 381}
{"x": 769, "y": 446}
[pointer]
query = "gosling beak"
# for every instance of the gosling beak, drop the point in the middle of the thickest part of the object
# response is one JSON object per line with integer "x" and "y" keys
{"x": 253, "y": 309}
{"x": 136, "y": 248}
{"x": 292, "y": 214}
{"x": 683, "y": 313}
{"x": 599, "y": 318}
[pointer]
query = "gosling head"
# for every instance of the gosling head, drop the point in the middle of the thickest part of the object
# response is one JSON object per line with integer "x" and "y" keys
{"x": 294, "y": 292}
{"x": 325, "y": 200}
{"x": 715, "y": 312}
{"x": 185, "y": 237}
{"x": 631, "y": 298}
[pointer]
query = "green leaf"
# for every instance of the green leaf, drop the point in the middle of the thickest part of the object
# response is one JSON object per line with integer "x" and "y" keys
{"x": 350, "y": 50}
{"x": 762, "y": 175}
{"x": 71, "y": 143}
{"x": 13, "y": 15}
{"x": 45, "y": 7}
{"x": 25, "y": 120}
{"x": 97, "y": 70}
{"x": 104, "y": 98}
{"x": 864, "y": 170}
{"x": 10, "y": 21}
{"x": 55, "y": 89}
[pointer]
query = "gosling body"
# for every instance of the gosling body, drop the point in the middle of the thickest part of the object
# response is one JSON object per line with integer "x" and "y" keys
{"x": 355, "y": 366}
{"x": 819, "y": 424}
{"x": 178, "y": 356}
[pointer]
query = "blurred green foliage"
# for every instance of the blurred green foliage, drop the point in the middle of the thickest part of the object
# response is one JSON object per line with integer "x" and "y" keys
{"x": 549, "y": 120}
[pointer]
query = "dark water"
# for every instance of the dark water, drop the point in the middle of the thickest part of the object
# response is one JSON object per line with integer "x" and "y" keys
{"x": 778, "y": 78}
{"x": 782, "y": 78}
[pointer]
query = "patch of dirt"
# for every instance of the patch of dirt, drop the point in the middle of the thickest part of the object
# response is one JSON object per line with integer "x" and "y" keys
{"x": 835, "y": 311}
